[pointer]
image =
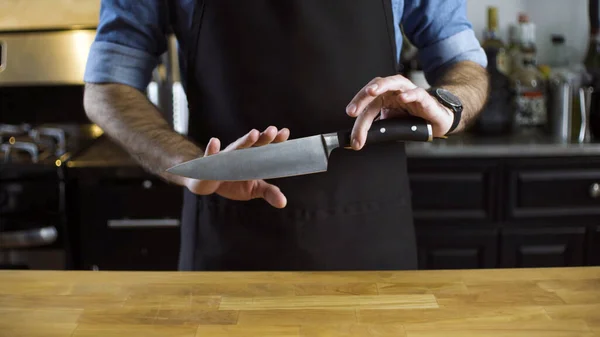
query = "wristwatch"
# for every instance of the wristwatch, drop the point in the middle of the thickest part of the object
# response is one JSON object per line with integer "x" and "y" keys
{"x": 449, "y": 100}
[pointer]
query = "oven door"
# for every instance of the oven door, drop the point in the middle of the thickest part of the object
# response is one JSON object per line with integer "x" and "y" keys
{"x": 31, "y": 225}
{"x": 31, "y": 244}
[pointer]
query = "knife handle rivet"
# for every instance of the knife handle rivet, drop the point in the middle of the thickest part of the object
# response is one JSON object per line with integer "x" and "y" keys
{"x": 382, "y": 130}
{"x": 414, "y": 128}
{"x": 147, "y": 184}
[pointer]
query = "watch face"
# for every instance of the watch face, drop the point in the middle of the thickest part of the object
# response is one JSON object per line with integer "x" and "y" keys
{"x": 448, "y": 97}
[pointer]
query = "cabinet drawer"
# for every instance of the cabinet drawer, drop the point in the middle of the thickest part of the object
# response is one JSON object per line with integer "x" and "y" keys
{"x": 29, "y": 196}
{"x": 454, "y": 248}
{"x": 451, "y": 196}
{"x": 594, "y": 247}
{"x": 130, "y": 224}
{"x": 543, "y": 247}
{"x": 130, "y": 248}
{"x": 131, "y": 198}
{"x": 539, "y": 193}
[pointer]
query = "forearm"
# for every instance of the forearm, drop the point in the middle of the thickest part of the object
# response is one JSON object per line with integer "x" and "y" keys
{"x": 469, "y": 81}
{"x": 128, "y": 117}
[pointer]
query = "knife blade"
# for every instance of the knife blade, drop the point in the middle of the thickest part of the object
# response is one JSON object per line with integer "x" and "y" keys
{"x": 300, "y": 156}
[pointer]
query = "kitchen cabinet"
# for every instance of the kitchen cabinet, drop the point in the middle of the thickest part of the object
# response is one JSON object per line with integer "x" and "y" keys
{"x": 542, "y": 193}
{"x": 453, "y": 192}
{"x": 506, "y": 212}
{"x": 457, "y": 248}
{"x": 470, "y": 212}
{"x": 593, "y": 257}
{"x": 543, "y": 247}
{"x": 128, "y": 222}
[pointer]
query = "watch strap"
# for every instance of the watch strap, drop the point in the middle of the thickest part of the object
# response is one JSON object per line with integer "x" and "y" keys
{"x": 455, "y": 121}
{"x": 457, "y": 111}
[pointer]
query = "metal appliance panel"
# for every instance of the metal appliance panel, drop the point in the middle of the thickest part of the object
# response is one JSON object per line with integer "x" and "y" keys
{"x": 47, "y": 58}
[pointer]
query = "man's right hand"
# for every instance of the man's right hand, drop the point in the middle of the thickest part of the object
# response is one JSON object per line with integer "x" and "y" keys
{"x": 243, "y": 190}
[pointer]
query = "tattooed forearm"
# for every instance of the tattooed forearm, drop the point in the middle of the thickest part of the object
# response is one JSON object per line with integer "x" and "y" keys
{"x": 128, "y": 117}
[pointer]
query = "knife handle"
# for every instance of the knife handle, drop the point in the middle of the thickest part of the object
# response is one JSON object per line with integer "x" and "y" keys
{"x": 400, "y": 129}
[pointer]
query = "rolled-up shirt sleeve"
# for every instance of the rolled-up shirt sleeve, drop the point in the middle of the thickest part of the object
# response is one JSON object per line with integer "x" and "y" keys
{"x": 442, "y": 33}
{"x": 130, "y": 37}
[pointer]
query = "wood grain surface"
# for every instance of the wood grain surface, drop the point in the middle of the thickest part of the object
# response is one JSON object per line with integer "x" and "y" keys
{"x": 549, "y": 302}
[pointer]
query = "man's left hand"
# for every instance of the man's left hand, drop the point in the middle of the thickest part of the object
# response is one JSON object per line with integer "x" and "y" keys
{"x": 394, "y": 97}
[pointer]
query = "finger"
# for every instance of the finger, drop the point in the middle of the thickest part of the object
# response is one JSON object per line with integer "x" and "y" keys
{"x": 202, "y": 187}
{"x": 244, "y": 142}
{"x": 213, "y": 146}
{"x": 362, "y": 125}
{"x": 425, "y": 104}
{"x": 421, "y": 104}
{"x": 393, "y": 113}
{"x": 270, "y": 193}
{"x": 266, "y": 136}
{"x": 282, "y": 135}
{"x": 374, "y": 88}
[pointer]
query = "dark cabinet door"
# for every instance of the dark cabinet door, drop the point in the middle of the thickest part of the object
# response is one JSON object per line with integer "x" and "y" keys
{"x": 457, "y": 248}
{"x": 594, "y": 247}
{"x": 552, "y": 193}
{"x": 543, "y": 247}
{"x": 130, "y": 224}
{"x": 460, "y": 192}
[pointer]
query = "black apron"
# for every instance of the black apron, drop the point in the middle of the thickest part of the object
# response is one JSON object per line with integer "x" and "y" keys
{"x": 295, "y": 64}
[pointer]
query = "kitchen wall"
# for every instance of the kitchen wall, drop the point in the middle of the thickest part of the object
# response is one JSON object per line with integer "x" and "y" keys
{"x": 568, "y": 17}
{"x": 550, "y": 16}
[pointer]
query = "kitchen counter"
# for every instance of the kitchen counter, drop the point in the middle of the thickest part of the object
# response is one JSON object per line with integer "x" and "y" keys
{"x": 493, "y": 302}
{"x": 517, "y": 145}
{"x": 106, "y": 153}
{"x": 103, "y": 153}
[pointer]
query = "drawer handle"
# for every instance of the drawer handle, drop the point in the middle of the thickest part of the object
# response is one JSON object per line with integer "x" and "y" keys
{"x": 28, "y": 238}
{"x": 2, "y": 55}
{"x": 595, "y": 191}
{"x": 143, "y": 223}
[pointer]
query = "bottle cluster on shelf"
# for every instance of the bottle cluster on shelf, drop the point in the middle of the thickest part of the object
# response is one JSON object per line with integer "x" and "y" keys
{"x": 520, "y": 86}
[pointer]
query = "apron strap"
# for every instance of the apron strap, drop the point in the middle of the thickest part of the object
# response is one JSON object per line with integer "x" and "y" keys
{"x": 389, "y": 18}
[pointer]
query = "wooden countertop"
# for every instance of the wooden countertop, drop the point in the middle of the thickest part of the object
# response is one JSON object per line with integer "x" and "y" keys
{"x": 524, "y": 302}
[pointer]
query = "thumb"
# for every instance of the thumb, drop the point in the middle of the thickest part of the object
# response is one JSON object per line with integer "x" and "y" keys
{"x": 213, "y": 147}
{"x": 271, "y": 193}
{"x": 202, "y": 187}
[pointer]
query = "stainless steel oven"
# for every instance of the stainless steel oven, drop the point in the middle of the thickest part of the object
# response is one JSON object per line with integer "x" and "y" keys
{"x": 42, "y": 127}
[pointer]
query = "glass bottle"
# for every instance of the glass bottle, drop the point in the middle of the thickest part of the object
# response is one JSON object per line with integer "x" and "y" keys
{"x": 592, "y": 65}
{"x": 514, "y": 48}
{"x": 592, "y": 58}
{"x": 495, "y": 117}
{"x": 528, "y": 84}
{"x": 492, "y": 44}
{"x": 560, "y": 58}
{"x": 512, "y": 51}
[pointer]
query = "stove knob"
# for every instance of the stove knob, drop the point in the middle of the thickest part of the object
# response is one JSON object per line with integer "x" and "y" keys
{"x": 147, "y": 184}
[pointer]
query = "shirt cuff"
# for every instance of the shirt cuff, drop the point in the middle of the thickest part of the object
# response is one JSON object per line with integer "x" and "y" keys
{"x": 462, "y": 46}
{"x": 114, "y": 63}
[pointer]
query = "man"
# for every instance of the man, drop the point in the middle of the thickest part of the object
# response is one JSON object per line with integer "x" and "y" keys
{"x": 259, "y": 71}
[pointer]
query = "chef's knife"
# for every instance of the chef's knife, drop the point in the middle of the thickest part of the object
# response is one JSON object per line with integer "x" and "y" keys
{"x": 297, "y": 156}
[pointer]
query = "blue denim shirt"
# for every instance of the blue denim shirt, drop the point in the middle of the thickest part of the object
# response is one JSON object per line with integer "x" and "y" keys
{"x": 131, "y": 36}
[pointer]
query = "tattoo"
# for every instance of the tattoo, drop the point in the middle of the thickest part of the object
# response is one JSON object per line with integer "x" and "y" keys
{"x": 470, "y": 82}
{"x": 128, "y": 117}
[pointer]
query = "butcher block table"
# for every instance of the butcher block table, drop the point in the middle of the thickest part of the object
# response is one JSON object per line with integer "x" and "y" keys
{"x": 522, "y": 302}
